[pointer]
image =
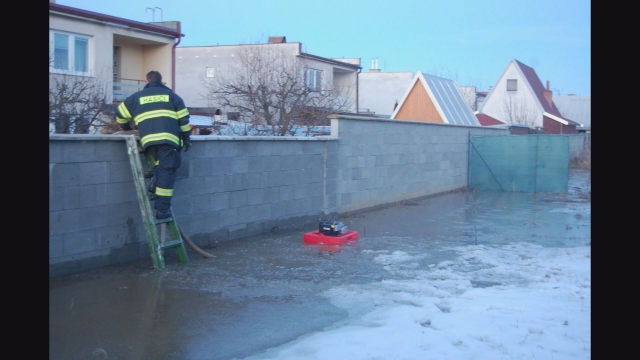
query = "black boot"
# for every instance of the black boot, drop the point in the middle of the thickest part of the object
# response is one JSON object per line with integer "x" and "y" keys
{"x": 161, "y": 215}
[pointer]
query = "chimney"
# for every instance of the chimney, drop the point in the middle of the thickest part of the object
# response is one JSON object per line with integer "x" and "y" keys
{"x": 374, "y": 66}
{"x": 548, "y": 94}
{"x": 277, "y": 39}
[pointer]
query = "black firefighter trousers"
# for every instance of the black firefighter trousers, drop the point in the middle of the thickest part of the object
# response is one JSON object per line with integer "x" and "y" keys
{"x": 165, "y": 172}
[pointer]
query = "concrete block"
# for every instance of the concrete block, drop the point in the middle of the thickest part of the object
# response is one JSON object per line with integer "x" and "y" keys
{"x": 94, "y": 217}
{"x": 277, "y": 178}
{"x": 65, "y": 174}
{"x": 87, "y": 195}
{"x": 120, "y": 213}
{"x": 214, "y": 184}
{"x": 253, "y": 180}
{"x": 240, "y": 165}
{"x": 233, "y": 182}
{"x": 201, "y": 167}
{"x": 106, "y": 150}
{"x": 93, "y": 173}
{"x": 101, "y": 194}
{"x": 199, "y": 204}
{"x": 119, "y": 171}
{"x": 263, "y": 212}
{"x": 230, "y": 149}
{"x": 257, "y": 164}
{"x": 286, "y": 192}
{"x": 345, "y": 199}
{"x": 238, "y": 199}
{"x": 126, "y": 253}
{"x": 271, "y": 194}
{"x": 237, "y": 231}
{"x": 257, "y": 227}
{"x": 255, "y": 148}
{"x": 55, "y": 151}
{"x": 221, "y": 166}
{"x": 112, "y": 236}
{"x": 211, "y": 148}
{"x": 278, "y": 209}
{"x": 271, "y": 163}
{"x": 79, "y": 242}
{"x": 255, "y": 196}
{"x": 71, "y": 197}
{"x": 64, "y": 221}
{"x": 184, "y": 171}
{"x": 79, "y": 151}
{"x": 120, "y": 193}
{"x": 194, "y": 223}
{"x": 56, "y": 246}
{"x": 180, "y": 205}
{"x": 228, "y": 217}
{"x": 219, "y": 201}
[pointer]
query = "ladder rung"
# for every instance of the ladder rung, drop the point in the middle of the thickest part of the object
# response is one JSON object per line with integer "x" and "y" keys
{"x": 172, "y": 243}
{"x": 162, "y": 221}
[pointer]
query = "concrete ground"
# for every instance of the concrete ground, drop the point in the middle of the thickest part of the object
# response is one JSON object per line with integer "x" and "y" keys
{"x": 263, "y": 291}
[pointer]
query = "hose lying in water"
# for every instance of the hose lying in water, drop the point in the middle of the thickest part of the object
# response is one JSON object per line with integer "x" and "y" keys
{"x": 194, "y": 246}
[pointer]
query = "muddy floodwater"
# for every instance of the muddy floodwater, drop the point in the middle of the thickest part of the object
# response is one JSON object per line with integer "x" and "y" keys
{"x": 264, "y": 291}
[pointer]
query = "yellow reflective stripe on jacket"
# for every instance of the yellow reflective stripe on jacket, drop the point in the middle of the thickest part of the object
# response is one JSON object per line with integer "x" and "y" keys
{"x": 160, "y": 136}
{"x": 124, "y": 111}
{"x": 121, "y": 121}
{"x": 154, "y": 114}
{"x": 185, "y": 127}
{"x": 182, "y": 113}
{"x": 164, "y": 192}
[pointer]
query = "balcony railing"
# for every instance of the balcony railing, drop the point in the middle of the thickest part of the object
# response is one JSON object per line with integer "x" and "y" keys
{"x": 125, "y": 87}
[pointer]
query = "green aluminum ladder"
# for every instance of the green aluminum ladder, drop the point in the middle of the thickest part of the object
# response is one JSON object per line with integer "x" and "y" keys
{"x": 157, "y": 243}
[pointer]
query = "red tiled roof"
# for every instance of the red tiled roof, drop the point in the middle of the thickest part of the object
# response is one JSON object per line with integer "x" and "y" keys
{"x": 486, "y": 120}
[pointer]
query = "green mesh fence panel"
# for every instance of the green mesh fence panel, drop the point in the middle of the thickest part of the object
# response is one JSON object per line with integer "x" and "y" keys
{"x": 519, "y": 163}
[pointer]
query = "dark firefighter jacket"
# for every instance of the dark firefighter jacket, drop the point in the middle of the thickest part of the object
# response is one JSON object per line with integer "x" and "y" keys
{"x": 159, "y": 114}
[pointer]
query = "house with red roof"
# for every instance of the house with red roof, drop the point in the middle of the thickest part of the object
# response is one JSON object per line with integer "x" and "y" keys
{"x": 518, "y": 97}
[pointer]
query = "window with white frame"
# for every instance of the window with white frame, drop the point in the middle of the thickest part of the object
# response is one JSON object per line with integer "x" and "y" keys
{"x": 69, "y": 52}
{"x": 512, "y": 85}
{"x": 313, "y": 79}
{"x": 209, "y": 72}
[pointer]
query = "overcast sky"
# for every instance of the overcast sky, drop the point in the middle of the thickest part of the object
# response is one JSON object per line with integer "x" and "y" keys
{"x": 516, "y": 301}
{"x": 467, "y": 41}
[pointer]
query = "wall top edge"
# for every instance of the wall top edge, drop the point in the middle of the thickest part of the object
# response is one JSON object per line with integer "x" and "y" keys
{"x": 85, "y": 137}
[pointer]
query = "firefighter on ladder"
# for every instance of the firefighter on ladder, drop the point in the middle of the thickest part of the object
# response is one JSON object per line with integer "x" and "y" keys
{"x": 162, "y": 121}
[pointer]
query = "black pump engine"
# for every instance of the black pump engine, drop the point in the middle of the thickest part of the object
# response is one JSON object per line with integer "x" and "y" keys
{"x": 332, "y": 228}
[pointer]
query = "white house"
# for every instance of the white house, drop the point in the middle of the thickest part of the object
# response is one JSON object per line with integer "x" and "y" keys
{"x": 195, "y": 65}
{"x": 518, "y": 97}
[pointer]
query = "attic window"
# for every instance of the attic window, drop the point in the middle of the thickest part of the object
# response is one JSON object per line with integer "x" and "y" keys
{"x": 512, "y": 85}
{"x": 210, "y": 72}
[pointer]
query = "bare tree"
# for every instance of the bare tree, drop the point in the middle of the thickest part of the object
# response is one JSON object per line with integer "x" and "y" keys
{"x": 77, "y": 104}
{"x": 517, "y": 111}
{"x": 270, "y": 94}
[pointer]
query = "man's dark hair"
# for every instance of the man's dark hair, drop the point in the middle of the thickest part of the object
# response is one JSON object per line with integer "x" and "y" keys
{"x": 154, "y": 76}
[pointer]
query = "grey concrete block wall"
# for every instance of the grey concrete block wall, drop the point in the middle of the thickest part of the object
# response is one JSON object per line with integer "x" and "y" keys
{"x": 232, "y": 187}
{"x": 384, "y": 161}
{"x": 227, "y": 188}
